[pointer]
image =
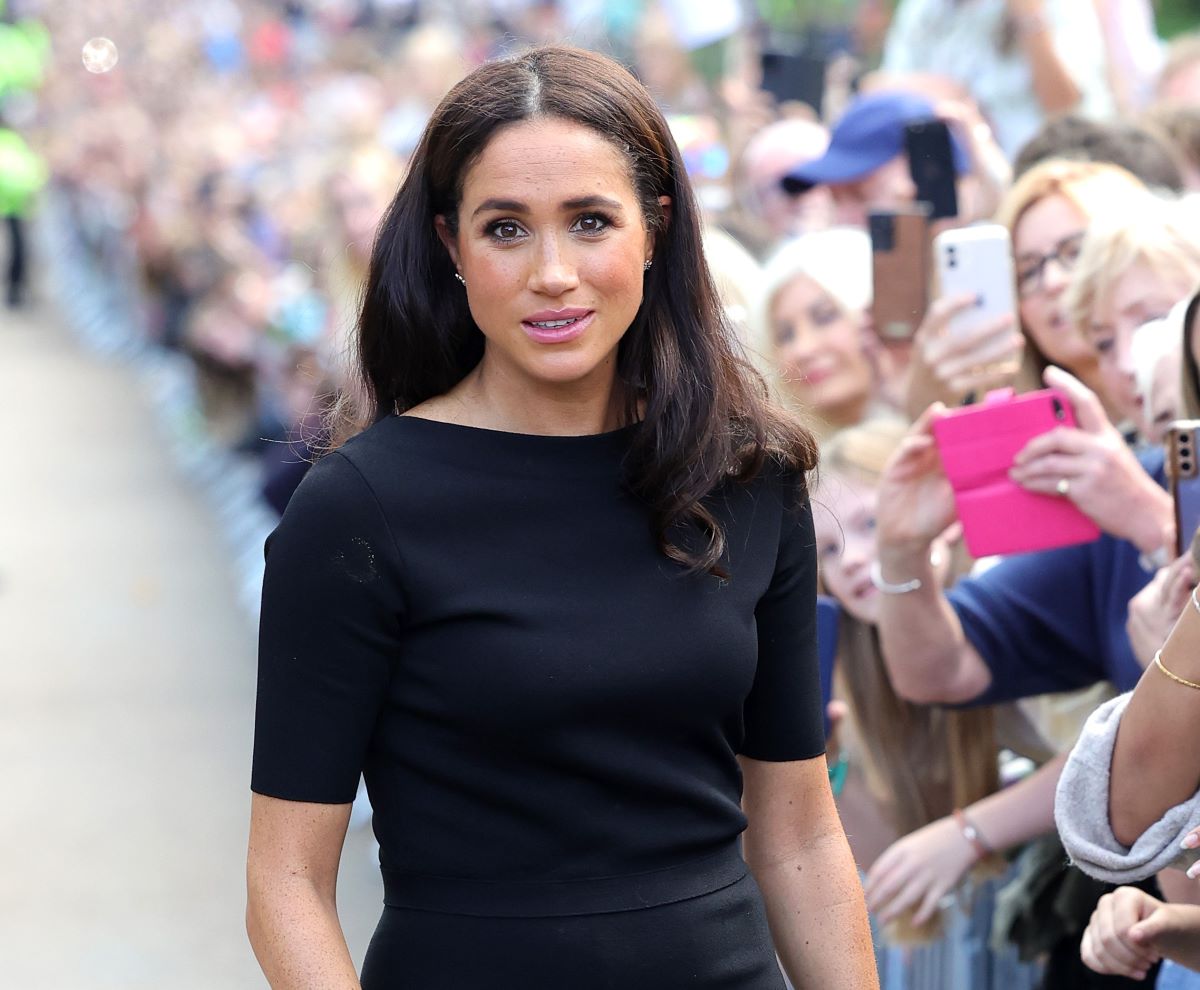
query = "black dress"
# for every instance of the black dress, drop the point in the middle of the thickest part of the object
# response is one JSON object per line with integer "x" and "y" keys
{"x": 546, "y": 710}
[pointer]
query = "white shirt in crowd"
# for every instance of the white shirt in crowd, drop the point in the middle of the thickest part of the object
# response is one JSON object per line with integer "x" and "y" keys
{"x": 963, "y": 40}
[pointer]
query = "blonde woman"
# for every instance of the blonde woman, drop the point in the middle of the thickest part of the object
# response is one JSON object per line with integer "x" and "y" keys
{"x": 1134, "y": 266}
{"x": 1047, "y": 213}
{"x": 810, "y": 327}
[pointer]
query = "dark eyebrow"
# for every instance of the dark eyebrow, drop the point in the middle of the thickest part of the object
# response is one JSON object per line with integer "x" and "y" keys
{"x": 516, "y": 206}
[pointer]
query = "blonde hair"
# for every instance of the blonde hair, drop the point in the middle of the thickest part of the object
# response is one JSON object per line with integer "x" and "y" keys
{"x": 1150, "y": 231}
{"x": 1092, "y": 188}
{"x": 1152, "y": 342}
{"x": 838, "y": 260}
{"x": 919, "y": 761}
{"x": 737, "y": 277}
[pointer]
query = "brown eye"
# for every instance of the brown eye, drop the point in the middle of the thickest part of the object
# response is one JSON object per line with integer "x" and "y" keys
{"x": 1069, "y": 253}
{"x": 591, "y": 223}
{"x": 505, "y": 230}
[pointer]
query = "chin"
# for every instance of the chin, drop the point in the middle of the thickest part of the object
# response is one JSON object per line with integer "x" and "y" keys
{"x": 563, "y": 369}
{"x": 865, "y": 612}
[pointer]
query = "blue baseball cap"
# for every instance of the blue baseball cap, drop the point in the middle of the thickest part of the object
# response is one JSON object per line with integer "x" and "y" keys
{"x": 870, "y": 133}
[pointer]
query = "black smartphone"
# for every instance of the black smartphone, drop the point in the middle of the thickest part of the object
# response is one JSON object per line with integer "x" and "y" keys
{"x": 827, "y": 644}
{"x": 794, "y": 77}
{"x": 931, "y": 161}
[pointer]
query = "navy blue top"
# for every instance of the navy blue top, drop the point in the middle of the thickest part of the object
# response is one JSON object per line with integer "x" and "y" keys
{"x": 1055, "y": 620}
{"x": 482, "y": 623}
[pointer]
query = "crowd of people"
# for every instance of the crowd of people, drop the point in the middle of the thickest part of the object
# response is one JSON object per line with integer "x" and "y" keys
{"x": 245, "y": 153}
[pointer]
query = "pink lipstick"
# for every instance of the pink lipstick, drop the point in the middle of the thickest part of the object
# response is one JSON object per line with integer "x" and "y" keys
{"x": 557, "y": 326}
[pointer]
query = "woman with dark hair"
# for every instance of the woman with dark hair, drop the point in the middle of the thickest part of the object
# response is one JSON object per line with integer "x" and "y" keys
{"x": 552, "y": 593}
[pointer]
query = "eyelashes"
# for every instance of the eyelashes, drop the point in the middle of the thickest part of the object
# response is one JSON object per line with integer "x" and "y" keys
{"x": 509, "y": 231}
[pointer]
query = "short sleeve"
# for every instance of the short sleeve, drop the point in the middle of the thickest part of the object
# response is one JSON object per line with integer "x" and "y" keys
{"x": 782, "y": 714}
{"x": 1032, "y": 620}
{"x": 332, "y": 612}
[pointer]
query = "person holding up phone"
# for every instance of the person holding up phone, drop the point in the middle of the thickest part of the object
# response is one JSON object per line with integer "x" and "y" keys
{"x": 993, "y": 637}
{"x": 1047, "y": 212}
{"x": 909, "y": 767}
{"x": 1035, "y": 623}
{"x": 866, "y": 166}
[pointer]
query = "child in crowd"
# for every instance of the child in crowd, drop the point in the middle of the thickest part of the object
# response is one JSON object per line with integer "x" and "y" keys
{"x": 910, "y": 770}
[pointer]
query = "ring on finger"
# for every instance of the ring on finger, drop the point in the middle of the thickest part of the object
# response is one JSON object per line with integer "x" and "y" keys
{"x": 1063, "y": 487}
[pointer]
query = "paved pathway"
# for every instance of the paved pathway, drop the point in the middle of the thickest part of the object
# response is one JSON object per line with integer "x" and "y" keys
{"x": 126, "y": 695}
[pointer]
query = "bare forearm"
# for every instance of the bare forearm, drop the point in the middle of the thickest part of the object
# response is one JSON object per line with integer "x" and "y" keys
{"x": 297, "y": 938}
{"x": 1153, "y": 768}
{"x": 924, "y": 648}
{"x": 818, "y": 917}
{"x": 1021, "y": 812}
{"x": 1053, "y": 86}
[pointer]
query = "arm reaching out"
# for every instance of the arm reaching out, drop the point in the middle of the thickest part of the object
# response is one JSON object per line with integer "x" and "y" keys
{"x": 924, "y": 648}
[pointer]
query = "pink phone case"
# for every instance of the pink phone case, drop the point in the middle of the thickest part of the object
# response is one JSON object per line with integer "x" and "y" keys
{"x": 977, "y": 445}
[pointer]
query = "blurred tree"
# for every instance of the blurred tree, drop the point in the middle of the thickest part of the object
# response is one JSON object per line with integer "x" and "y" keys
{"x": 794, "y": 16}
{"x": 1177, "y": 16}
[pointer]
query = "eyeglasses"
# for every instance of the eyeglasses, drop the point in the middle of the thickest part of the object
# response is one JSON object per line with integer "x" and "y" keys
{"x": 1031, "y": 271}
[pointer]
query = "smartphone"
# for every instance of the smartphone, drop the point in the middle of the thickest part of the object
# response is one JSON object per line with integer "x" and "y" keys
{"x": 977, "y": 445}
{"x": 1183, "y": 469}
{"x": 828, "y": 612}
{"x": 976, "y": 261}
{"x": 931, "y": 162}
{"x": 899, "y": 271}
{"x": 793, "y": 77}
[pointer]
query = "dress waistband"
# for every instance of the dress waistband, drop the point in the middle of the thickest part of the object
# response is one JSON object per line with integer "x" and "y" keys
{"x": 601, "y": 895}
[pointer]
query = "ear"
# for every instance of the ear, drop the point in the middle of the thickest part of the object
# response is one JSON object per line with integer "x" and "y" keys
{"x": 448, "y": 240}
{"x": 665, "y": 203}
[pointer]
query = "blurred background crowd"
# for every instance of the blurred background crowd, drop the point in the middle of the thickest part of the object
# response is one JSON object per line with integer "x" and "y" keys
{"x": 227, "y": 162}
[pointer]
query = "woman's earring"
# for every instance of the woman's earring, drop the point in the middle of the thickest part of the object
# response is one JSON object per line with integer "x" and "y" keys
{"x": 646, "y": 267}
{"x": 458, "y": 275}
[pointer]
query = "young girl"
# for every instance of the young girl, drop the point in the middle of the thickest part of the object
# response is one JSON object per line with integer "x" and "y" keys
{"x": 914, "y": 771}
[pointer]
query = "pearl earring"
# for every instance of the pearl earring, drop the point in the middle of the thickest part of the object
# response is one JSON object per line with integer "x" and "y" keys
{"x": 458, "y": 275}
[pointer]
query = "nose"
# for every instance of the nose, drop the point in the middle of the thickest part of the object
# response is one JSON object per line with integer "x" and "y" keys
{"x": 1054, "y": 277}
{"x": 848, "y": 207}
{"x": 798, "y": 350}
{"x": 856, "y": 556}
{"x": 1124, "y": 348}
{"x": 553, "y": 274}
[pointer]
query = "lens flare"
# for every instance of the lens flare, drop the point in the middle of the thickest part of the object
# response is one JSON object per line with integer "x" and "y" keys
{"x": 99, "y": 55}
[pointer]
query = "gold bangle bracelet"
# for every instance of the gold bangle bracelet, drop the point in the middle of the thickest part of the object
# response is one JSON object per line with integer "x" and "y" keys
{"x": 1175, "y": 677}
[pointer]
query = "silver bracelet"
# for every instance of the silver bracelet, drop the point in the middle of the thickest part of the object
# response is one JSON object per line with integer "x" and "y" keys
{"x": 1195, "y": 601}
{"x": 903, "y": 588}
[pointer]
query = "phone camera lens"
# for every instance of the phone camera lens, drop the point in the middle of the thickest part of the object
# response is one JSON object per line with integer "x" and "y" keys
{"x": 1059, "y": 412}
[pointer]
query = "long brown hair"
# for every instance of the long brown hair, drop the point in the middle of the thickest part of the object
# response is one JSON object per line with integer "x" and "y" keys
{"x": 918, "y": 761}
{"x": 705, "y": 415}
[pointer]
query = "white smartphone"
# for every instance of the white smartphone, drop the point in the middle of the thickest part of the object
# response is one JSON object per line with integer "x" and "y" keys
{"x": 976, "y": 260}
